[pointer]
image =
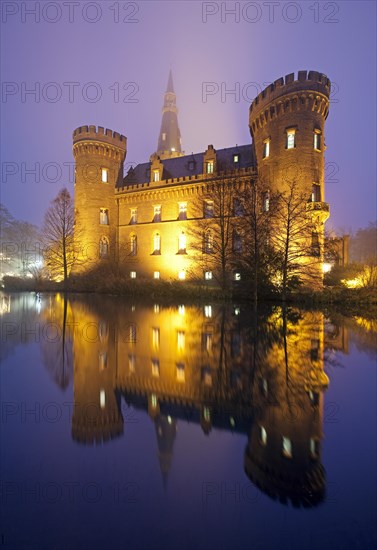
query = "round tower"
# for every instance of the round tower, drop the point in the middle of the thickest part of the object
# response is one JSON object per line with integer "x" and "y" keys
{"x": 287, "y": 122}
{"x": 287, "y": 125}
{"x": 99, "y": 157}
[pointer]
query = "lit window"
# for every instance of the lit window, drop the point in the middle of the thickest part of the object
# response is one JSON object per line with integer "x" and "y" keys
{"x": 209, "y": 167}
{"x": 156, "y": 275}
{"x": 155, "y": 337}
{"x": 172, "y": 149}
{"x": 237, "y": 276}
{"x": 180, "y": 340}
{"x": 163, "y": 136}
{"x": 287, "y": 447}
{"x": 208, "y": 311}
{"x": 208, "y": 242}
{"x": 154, "y": 400}
{"x": 236, "y": 158}
{"x": 182, "y": 275}
{"x": 157, "y": 243}
{"x": 182, "y": 211}
{"x": 207, "y": 414}
{"x": 156, "y": 175}
{"x": 316, "y": 192}
{"x": 291, "y": 142}
{"x": 156, "y": 308}
{"x": 103, "y": 216}
{"x": 102, "y": 357}
{"x": 208, "y": 210}
{"x": 104, "y": 175}
{"x": 314, "y": 447}
{"x": 133, "y": 274}
{"x": 208, "y": 275}
{"x": 155, "y": 368}
{"x": 180, "y": 372}
{"x": 264, "y": 386}
{"x": 133, "y": 245}
{"x": 157, "y": 213}
{"x": 102, "y": 399}
{"x": 263, "y": 435}
{"x": 182, "y": 243}
{"x": 133, "y": 219}
{"x": 181, "y": 310}
{"x": 237, "y": 311}
{"x": 266, "y": 148}
{"x": 317, "y": 140}
{"x": 131, "y": 363}
{"x": 104, "y": 248}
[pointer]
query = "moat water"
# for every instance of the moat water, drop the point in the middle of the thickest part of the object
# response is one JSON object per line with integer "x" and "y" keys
{"x": 150, "y": 425}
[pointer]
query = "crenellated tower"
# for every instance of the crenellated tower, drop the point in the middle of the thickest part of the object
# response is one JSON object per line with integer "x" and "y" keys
{"x": 99, "y": 156}
{"x": 287, "y": 125}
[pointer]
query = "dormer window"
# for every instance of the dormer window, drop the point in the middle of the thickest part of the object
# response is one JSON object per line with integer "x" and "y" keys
{"x": 191, "y": 165}
{"x": 236, "y": 158}
{"x": 156, "y": 175}
{"x": 209, "y": 167}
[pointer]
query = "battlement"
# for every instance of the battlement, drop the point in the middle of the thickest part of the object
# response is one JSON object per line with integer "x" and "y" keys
{"x": 312, "y": 80}
{"x": 92, "y": 133}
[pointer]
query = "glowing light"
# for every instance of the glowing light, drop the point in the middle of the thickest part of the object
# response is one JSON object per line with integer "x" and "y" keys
{"x": 154, "y": 400}
{"x": 208, "y": 311}
{"x": 232, "y": 421}
{"x": 133, "y": 274}
{"x": 353, "y": 283}
{"x": 237, "y": 311}
{"x": 156, "y": 308}
{"x": 207, "y": 414}
{"x": 156, "y": 274}
{"x": 102, "y": 399}
{"x": 326, "y": 267}
{"x": 182, "y": 275}
{"x": 181, "y": 310}
{"x": 169, "y": 420}
{"x": 208, "y": 275}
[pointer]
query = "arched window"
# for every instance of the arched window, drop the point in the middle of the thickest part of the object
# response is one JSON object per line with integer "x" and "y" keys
{"x": 208, "y": 241}
{"x": 133, "y": 244}
{"x": 182, "y": 241}
{"x": 157, "y": 243}
{"x": 104, "y": 247}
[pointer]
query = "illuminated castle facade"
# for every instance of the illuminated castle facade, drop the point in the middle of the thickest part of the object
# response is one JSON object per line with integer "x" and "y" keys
{"x": 144, "y": 221}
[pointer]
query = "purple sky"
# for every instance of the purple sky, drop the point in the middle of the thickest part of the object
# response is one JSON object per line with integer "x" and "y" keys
{"x": 336, "y": 38}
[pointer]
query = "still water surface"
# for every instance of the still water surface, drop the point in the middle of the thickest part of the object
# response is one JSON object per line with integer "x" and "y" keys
{"x": 141, "y": 425}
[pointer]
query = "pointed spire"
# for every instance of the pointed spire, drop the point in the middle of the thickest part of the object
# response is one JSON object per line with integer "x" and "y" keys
{"x": 170, "y": 87}
{"x": 169, "y": 140}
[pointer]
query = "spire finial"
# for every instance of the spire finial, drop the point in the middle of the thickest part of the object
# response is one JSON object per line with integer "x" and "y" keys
{"x": 170, "y": 87}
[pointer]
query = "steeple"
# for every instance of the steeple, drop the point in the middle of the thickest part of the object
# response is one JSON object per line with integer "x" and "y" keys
{"x": 169, "y": 140}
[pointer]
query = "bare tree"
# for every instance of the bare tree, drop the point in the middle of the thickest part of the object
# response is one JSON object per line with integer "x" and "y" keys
{"x": 256, "y": 254}
{"x": 212, "y": 233}
{"x": 58, "y": 230}
{"x": 295, "y": 238}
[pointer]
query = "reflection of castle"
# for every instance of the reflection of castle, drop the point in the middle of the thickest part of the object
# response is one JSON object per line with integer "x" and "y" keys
{"x": 214, "y": 366}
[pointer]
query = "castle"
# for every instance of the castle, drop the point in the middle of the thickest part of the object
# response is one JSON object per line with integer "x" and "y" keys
{"x": 146, "y": 220}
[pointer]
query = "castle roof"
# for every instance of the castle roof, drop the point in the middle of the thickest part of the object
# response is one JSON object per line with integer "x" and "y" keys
{"x": 192, "y": 165}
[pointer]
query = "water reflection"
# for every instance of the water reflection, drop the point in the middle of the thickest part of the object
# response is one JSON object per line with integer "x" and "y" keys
{"x": 223, "y": 367}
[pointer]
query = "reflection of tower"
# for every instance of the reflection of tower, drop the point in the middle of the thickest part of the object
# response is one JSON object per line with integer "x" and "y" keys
{"x": 283, "y": 456}
{"x": 96, "y": 415}
{"x": 169, "y": 140}
{"x": 166, "y": 430}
